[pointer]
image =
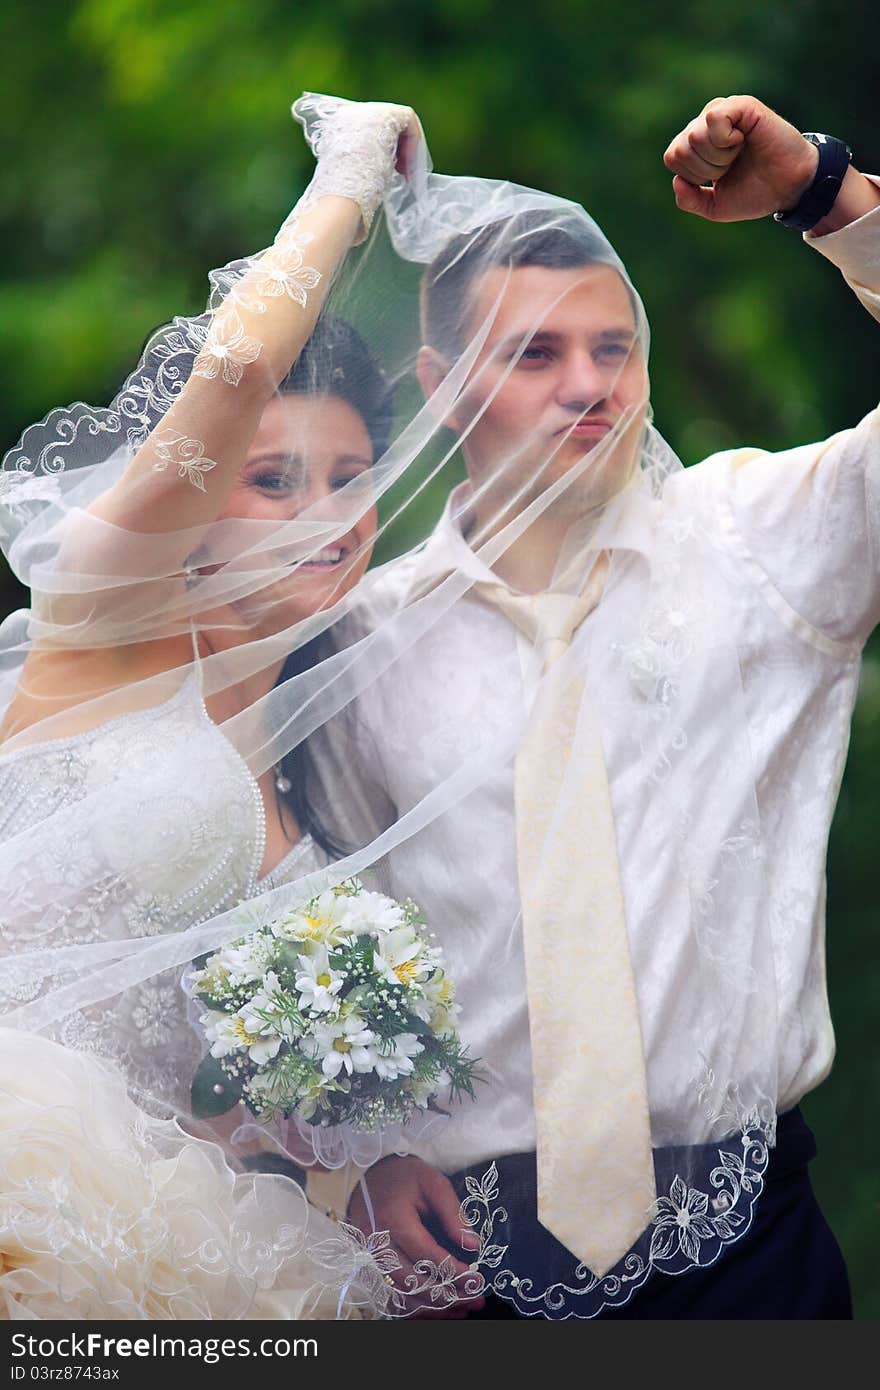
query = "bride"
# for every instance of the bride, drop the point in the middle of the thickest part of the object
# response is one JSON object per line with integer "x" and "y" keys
{"x": 186, "y": 550}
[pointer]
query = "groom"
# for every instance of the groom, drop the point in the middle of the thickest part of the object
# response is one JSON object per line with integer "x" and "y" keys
{"x": 737, "y": 160}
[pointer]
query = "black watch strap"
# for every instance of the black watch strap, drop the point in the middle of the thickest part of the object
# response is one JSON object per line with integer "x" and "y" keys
{"x": 819, "y": 198}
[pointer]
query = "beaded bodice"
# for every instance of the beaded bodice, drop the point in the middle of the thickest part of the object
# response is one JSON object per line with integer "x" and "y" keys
{"x": 148, "y": 824}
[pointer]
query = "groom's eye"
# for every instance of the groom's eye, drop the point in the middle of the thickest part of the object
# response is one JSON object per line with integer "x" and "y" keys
{"x": 613, "y": 352}
{"x": 533, "y": 355}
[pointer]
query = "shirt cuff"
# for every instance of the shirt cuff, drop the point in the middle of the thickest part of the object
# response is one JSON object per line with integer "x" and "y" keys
{"x": 855, "y": 249}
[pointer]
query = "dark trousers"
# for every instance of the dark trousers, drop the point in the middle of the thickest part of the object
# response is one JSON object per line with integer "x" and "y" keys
{"x": 788, "y": 1264}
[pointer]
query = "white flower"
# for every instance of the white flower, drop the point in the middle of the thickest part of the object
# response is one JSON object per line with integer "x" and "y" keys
{"x": 398, "y": 1062}
{"x": 437, "y": 1007}
{"x": 263, "y": 1049}
{"x": 227, "y": 349}
{"x": 156, "y": 1013}
{"x": 370, "y": 914}
{"x": 263, "y": 1090}
{"x": 188, "y": 454}
{"x": 225, "y": 1032}
{"x": 422, "y": 1089}
{"x": 264, "y": 1021}
{"x": 322, "y": 921}
{"x": 148, "y": 914}
{"x": 347, "y": 1043}
{"x": 280, "y": 270}
{"x": 397, "y": 956}
{"x": 318, "y": 984}
{"x": 681, "y": 1222}
{"x": 310, "y": 1099}
{"x": 213, "y": 980}
{"x": 247, "y": 962}
{"x": 247, "y": 1029}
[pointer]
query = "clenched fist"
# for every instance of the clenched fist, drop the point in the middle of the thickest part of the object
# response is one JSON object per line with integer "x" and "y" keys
{"x": 755, "y": 162}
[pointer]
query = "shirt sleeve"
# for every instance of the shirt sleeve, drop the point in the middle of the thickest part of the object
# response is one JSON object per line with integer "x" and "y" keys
{"x": 855, "y": 250}
{"x": 809, "y": 518}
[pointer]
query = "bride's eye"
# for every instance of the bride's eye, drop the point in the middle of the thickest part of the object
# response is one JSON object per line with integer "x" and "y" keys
{"x": 277, "y": 476}
{"x": 341, "y": 480}
{"x": 273, "y": 482}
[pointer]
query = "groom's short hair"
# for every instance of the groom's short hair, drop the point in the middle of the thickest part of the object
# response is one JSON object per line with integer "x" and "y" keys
{"x": 526, "y": 239}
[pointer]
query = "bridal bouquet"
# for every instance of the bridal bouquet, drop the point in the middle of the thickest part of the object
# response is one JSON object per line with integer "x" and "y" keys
{"x": 339, "y": 1013}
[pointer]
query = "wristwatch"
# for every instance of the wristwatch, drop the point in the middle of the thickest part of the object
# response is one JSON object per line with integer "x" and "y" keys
{"x": 818, "y": 200}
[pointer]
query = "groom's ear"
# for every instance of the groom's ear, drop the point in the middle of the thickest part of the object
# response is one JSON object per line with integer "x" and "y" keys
{"x": 431, "y": 370}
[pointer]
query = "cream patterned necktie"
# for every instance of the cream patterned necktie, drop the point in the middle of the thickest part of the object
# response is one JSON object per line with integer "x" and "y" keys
{"x": 595, "y": 1167}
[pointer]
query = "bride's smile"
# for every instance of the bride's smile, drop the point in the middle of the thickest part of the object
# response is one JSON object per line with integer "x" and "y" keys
{"x": 309, "y": 463}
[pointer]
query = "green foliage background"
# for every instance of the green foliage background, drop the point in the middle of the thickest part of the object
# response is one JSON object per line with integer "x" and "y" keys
{"x": 144, "y": 141}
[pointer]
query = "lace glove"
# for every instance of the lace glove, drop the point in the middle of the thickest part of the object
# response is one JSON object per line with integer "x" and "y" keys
{"x": 356, "y": 145}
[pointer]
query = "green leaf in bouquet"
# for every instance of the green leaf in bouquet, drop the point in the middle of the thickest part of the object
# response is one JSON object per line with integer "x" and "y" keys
{"x": 287, "y": 954}
{"x": 359, "y": 994}
{"x": 207, "y": 1100}
{"x": 355, "y": 962}
{"x": 284, "y": 1010}
{"x": 411, "y": 1023}
{"x": 462, "y": 1068}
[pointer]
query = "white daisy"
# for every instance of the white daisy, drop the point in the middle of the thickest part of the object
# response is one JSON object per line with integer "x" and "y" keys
{"x": 369, "y": 914}
{"x": 322, "y": 920}
{"x": 347, "y": 1044}
{"x": 317, "y": 983}
{"x": 264, "y": 1020}
{"x": 397, "y": 956}
{"x": 248, "y": 962}
{"x": 225, "y": 1032}
{"x": 398, "y": 1061}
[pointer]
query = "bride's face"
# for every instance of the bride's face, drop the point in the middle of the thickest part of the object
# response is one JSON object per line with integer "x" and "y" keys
{"x": 303, "y": 462}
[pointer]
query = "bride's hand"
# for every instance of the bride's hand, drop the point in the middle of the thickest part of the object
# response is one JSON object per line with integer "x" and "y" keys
{"x": 359, "y": 145}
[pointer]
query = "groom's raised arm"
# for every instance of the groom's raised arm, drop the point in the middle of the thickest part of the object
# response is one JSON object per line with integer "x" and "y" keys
{"x": 806, "y": 521}
{"x": 738, "y": 160}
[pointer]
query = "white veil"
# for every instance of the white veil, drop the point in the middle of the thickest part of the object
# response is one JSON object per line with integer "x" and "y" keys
{"x": 394, "y": 737}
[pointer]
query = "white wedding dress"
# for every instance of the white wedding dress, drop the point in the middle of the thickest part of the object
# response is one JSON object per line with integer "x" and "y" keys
{"x": 108, "y": 1208}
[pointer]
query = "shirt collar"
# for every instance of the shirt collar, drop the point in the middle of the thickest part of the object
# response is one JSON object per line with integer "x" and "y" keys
{"x": 446, "y": 550}
{"x": 627, "y": 524}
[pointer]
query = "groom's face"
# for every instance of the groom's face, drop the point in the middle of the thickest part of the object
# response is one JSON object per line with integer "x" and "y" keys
{"x": 561, "y": 375}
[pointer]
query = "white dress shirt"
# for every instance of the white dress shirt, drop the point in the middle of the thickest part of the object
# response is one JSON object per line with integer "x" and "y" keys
{"x": 793, "y": 592}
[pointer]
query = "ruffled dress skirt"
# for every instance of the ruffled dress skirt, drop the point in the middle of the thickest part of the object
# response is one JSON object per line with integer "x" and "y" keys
{"x": 109, "y": 1213}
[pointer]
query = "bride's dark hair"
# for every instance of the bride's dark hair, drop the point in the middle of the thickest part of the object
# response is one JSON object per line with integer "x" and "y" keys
{"x": 335, "y": 362}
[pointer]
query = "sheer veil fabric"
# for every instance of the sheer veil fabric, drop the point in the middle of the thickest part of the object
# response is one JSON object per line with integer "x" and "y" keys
{"x": 136, "y": 835}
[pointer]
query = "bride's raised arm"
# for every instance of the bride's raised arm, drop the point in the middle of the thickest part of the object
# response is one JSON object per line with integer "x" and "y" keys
{"x": 258, "y": 330}
{"x": 135, "y": 489}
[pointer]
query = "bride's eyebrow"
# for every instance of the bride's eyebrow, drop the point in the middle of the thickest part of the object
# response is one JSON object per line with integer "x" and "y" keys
{"x": 275, "y": 457}
{"x": 353, "y": 461}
